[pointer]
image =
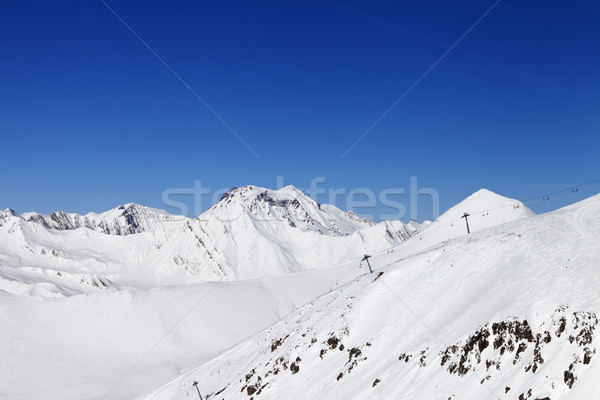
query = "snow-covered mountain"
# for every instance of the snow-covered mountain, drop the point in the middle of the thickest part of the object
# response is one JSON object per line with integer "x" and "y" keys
{"x": 287, "y": 205}
{"x": 509, "y": 312}
{"x": 250, "y": 233}
{"x": 484, "y": 209}
{"x": 264, "y": 296}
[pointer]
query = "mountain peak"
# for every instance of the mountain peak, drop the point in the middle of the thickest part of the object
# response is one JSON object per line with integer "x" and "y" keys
{"x": 247, "y": 197}
{"x": 8, "y": 211}
{"x": 485, "y": 209}
{"x": 251, "y": 192}
{"x": 6, "y": 214}
{"x": 485, "y": 200}
{"x": 484, "y": 193}
{"x": 287, "y": 204}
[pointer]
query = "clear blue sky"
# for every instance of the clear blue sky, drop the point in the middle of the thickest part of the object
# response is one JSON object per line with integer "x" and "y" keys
{"x": 90, "y": 118}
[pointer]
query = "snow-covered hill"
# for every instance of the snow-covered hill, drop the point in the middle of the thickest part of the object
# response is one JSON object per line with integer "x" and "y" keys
{"x": 484, "y": 208}
{"x": 497, "y": 210}
{"x": 509, "y": 312}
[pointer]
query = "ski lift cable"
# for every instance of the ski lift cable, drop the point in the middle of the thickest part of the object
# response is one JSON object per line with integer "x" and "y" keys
{"x": 563, "y": 190}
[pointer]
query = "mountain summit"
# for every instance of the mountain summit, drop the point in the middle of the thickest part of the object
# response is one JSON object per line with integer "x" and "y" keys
{"x": 485, "y": 209}
{"x": 289, "y": 205}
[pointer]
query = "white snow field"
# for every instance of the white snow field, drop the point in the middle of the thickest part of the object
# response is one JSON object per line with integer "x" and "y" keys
{"x": 262, "y": 297}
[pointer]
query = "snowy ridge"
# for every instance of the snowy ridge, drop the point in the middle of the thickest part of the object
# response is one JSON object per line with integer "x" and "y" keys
{"x": 493, "y": 322}
{"x": 124, "y": 220}
{"x": 250, "y": 233}
{"x": 266, "y": 232}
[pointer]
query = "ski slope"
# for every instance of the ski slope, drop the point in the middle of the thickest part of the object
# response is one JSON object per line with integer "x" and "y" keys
{"x": 507, "y": 312}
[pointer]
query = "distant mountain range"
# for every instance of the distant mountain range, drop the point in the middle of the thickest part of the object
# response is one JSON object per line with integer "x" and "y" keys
{"x": 250, "y": 233}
